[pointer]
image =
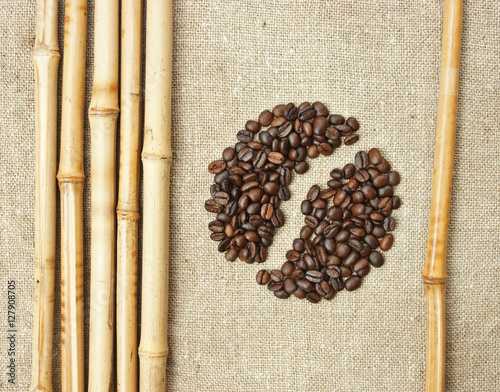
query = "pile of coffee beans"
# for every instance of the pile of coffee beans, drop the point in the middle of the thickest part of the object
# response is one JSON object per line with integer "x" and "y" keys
{"x": 338, "y": 243}
{"x": 252, "y": 177}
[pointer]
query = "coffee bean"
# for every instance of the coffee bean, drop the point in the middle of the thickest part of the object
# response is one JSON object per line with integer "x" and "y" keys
{"x": 375, "y": 156}
{"x": 385, "y": 204}
{"x": 298, "y": 245}
{"x": 252, "y": 126}
{"x": 313, "y": 297}
{"x": 351, "y": 259}
{"x": 262, "y": 277}
{"x": 349, "y": 170}
{"x": 352, "y": 283}
{"x": 278, "y": 218}
{"x": 353, "y": 123}
{"x": 342, "y": 250}
{"x": 276, "y": 158}
{"x": 266, "y": 211}
{"x": 311, "y": 221}
{"x": 345, "y": 271}
{"x": 222, "y": 198}
{"x": 393, "y": 178}
{"x": 224, "y": 245}
{"x": 213, "y": 206}
{"x": 321, "y": 109}
{"x": 228, "y": 154}
{"x": 336, "y": 119}
{"x": 386, "y": 242}
{"x": 325, "y": 149}
{"x": 276, "y": 275}
{"x": 216, "y": 167}
{"x": 301, "y": 167}
{"x": 361, "y": 159}
{"x": 385, "y": 191}
{"x": 384, "y": 166}
{"x": 271, "y": 188}
{"x": 376, "y": 259}
{"x": 380, "y": 181}
{"x": 361, "y": 264}
{"x": 313, "y": 193}
{"x": 275, "y": 286}
{"x": 337, "y": 283}
{"x": 323, "y": 288}
{"x": 291, "y": 112}
{"x": 244, "y": 136}
{"x": 339, "y": 198}
{"x": 320, "y": 124}
{"x": 389, "y": 224}
{"x": 355, "y": 244}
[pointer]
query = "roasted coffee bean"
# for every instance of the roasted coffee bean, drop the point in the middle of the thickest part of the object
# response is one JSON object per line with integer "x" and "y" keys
{"x": 213, "y": 206}
{"x": 311, "y": 221}
{"x": 393, "y": 178}
{"x": 252, "y": 126}
{"x": 319, "y": 230}
{"x": 262, "y": 277}
{"x": 290, "y": 286}
{"x": 371, "y": 240}
{"x": 224, "y": 244}
{"x": 342, "y": 250}
{"x": 336, "y": 119}
{"x": 284, "y": 193}
{"x": 313, "y": 193}
{"x": 351, "y": 259}
{"x": 349, "y": 170}
{"x": 353, "y": 123}
{"x": 375, "y": 156}
{"x": 266, "y": 212}
{"x": 319, "y": 203}
{"x": 331, "y": 230}
{"x": 216, "y": 167}
{"x": 310, "y": 262}
{"x": 321, "y": 109}
{"x": 355, "y": 244}
{"x": 376, "y": 259}
{"x": 276, "y": 275}
{"x": 320, "y": 213}
{"x": 389, "y": 224}
{"x": 362, "y": 176}
{"x": 396, "y": 202}
{"x": 362, "y": 160}
{"x": 301, "y": 167}
{"x": 287, "y": 268}
{"x": 228, "y": 154}
{"x": 339, "y": 198}
{"x": 285, "y": 176}
{"x": 298, "y": 245}
{"x": 320, "y": 124}
{"x": 278, "y": 218}
{"x": 314, "y": 276}
{"x": 266, "y": 139}
{"x": 361, "y": 264}
{"x": 275, "y": 286}
{"x": 293, "y": 256}
{"x": 271, "y": 188}
{"x": 337, "y": 174}
{"x": 386, "y": 242}
{"x": 345, "y": 271}
{"x": 334, "y": 213}
{"x": 246, "y": 154}
{"x": 244, "y": 136}
{"x": 385, "y": 204}
{"x": 352, "y": 283}
{"x": 265, "y": 118}
{"x": 323, "y": 288}
{"x": 222, "y": 198}
{"x": 214, "y": 189}
{"x": 306, "y": 232}
{"x": 380, "y": 181}
{"x": 305, "y": 284}
{"x": 216, "y": 226}
{"x": 232, "y": 254}
{"x": 291, "y": 112}
{"x": 313, "y": 297}
{"x": 276, "y": 158}
{"x": 218, "y": 236}
{"x": 325, "y": 149}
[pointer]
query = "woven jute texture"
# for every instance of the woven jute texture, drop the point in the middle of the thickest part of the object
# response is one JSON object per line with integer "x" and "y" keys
{"x": 375, "y": 60}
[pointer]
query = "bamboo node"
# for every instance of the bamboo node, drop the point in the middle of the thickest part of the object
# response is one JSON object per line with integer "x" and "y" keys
{"x": 149, "y": 155}
{"x": 70, "y": 179}
{"x": 128, "y": 214}
{"x": 150, "y": 354}
{"x": 434, "y": 281}
{"x": 42, "y": 49}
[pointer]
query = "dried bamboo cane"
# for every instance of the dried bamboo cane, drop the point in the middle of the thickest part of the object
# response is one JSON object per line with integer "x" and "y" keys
{"x": 71, "y": 180}
{"x": 46, "y": 62}
{"x": 103, "y": 116}
{"x": 128, "y": 197}
{"x": 156, "y": 160}
{"x": 434, "y": 275}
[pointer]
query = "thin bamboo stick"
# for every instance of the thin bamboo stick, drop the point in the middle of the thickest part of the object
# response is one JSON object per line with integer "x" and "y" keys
{"x": 103, "y": 116}
{"x": 156, "y": 160}
{"x": 46, "y": 62}
{"x": 434, "y": 274}
{"x": 128, "y": 196}
{"x": 71, "y": 180}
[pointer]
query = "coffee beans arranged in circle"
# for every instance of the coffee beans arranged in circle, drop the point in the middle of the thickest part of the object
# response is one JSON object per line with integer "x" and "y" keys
{"x": 251, "y": 179}
{"x": 346, "y": 225}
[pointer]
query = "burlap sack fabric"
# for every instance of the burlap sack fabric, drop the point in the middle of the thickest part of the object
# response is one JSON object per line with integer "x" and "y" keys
{"x": 377, "y": 61}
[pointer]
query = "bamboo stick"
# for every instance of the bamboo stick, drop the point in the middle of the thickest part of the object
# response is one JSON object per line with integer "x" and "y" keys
{"x": 103, "y": 116}
{"x": 46, "y": 62}
{"x": 128, "y": 196}
{"x": 434, "y": 274}
{"x": 156, "y": 160}
{"x": 71, "y": 181}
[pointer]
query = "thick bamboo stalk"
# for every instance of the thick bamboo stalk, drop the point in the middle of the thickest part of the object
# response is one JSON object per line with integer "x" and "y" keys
{"x": 434, "y": 275}
{"x": 103, "y": 115}
{"x": 46, "y": 62}
{"x": 156, "y": 160}
{"x": 128, "y": 196}
{"x": 71, "y": 180}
